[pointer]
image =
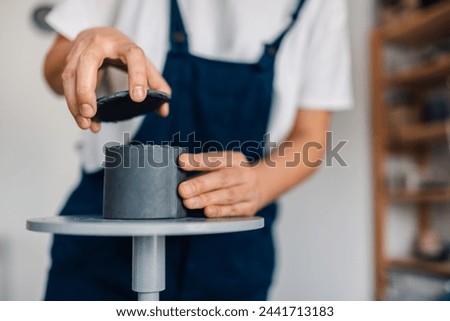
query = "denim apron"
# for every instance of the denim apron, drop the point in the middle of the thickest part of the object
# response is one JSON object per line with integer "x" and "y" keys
{"x": 215, "y": 105}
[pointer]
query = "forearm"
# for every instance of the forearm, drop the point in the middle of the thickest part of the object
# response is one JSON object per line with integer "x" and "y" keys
{"x": 293, "y": 161}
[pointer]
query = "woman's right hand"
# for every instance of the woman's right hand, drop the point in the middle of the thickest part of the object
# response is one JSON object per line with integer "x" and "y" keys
{"x": 89, "y": 51}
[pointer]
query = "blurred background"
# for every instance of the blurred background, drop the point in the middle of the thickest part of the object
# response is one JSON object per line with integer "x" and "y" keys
{"x": 377, "y": 229}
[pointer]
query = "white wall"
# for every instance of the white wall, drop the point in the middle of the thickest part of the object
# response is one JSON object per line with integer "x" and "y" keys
{"x": 325, "y": 229}
{"x": 37, "y": 160}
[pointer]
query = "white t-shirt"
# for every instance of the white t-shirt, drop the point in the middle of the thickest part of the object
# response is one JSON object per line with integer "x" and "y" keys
{"x": 312, "y": 68}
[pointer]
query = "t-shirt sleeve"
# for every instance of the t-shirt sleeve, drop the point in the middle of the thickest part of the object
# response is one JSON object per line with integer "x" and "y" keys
{"x": 70, "y": 17}
{"x": 327, "y": 65}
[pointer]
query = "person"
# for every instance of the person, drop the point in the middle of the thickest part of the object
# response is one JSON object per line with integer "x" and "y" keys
{"x": 252, "y": 81}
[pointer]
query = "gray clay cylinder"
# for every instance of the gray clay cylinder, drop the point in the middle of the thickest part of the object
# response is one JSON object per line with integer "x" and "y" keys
{"x": 141, "y": 182}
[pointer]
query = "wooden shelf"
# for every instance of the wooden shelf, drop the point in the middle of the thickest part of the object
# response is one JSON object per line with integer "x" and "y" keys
{"x": 430, "y": 195}
{"x": 424, "y": 27}
{"x": 425, "y": 74}
{"x": 421, "y": 27}
{"x": 442, "y": 269}
{"x": 420, "y": 133}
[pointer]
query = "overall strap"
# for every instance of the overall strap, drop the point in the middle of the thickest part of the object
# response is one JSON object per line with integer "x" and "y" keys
{"x": 271, "y": 49}
{"x": 276, "y": 44}
{"x": 178, "y": 35}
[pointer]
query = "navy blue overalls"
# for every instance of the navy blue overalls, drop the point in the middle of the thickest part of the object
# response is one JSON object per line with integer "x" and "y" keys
{"x": 215, "y": 105}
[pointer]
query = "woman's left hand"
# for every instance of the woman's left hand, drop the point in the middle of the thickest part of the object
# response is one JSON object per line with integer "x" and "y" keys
{"x": 229, "y": 186}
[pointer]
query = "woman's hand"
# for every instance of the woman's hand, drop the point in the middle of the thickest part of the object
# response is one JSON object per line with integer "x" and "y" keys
{"x": 83, "y": 59}
{"x": 229, "y": 187}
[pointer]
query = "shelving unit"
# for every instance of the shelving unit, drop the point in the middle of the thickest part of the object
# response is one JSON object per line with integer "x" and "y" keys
{"x": 416, "y": 30}
{"x": 425, "y": 74}
{"x": 428, "y": 196}
{"x": 440, "y": 269}
{"x": 420, "y": 133}
{"x": 420, "y": 27}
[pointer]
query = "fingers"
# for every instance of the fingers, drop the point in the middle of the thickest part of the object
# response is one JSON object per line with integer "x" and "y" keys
{"x": 210, "y": 182}
{"x": 163, "y": 111}
{"x": 86, "y": 77}
{"x": 95, "y": 127}
{"x": 142, "y": 75}
{"x": 240, "y": 209}
{"x": 211, "y": 161}
{"x": 136, "y": 61}
{"x": 69, "y": 86}
{"x": 79, "y": 81}
{"x": 80, "y": 77}
{"x": 73, "y": 91}
{"x": 236, "y": 200}
{"x": 226, "y": 196}
{"x": 157, "y": 82}
{"x": 230, "y": 188}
